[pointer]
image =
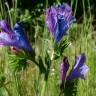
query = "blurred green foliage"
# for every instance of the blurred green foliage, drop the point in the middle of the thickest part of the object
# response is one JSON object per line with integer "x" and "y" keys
{"x": 32, "y": 5}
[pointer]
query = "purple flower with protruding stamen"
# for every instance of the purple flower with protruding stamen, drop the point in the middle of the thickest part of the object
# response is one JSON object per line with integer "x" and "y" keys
{"x": 79, "y": 69}
{"x": 58, "y": 20}
{"x": 64, "y": 68}
{"x": 15, "y": 37}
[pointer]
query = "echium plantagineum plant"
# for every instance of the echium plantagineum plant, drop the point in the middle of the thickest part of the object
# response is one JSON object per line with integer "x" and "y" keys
{"x": 58, "y": 20}
{"x": 78, "y": 70}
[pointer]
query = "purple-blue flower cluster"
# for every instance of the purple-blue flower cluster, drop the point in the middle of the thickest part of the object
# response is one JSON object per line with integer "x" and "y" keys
{"x": 79, "y": 68}
{"x": 58, "y": 20}
{"x": 15, "y": 37}
{"x": 64, "y": 68}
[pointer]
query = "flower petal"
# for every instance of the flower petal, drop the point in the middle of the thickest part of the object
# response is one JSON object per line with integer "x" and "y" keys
{"x": 62, "y": 27}
{"x": 79, "y": 69}
{"x": 5, "y": 26}
{"x": 83, "y": 70}
{"x": 7, "y": 40}
{"x": 21, "y": 37}
{"x": 64, "y": 68}
{"x": 51, "y": 19}
{"x": 79, "y": 61}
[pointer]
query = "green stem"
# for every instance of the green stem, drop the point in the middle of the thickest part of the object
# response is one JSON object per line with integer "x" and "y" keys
{"x": 10, "y": 17}
{"x": 16, "y": 85}
{"x": 9, "y": 94}
{"x": 15, "y": 8}
{"x": 43, "y": 88}
{"x": 75, "y": 7}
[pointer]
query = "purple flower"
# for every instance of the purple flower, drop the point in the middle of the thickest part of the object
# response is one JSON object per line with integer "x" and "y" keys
{"x": 64, "y": 68}
{"x": 79, "y": 69}
{"x": 7, "y": 39}
{"x": 15, "y": 37}
{"x": 22, "y": 39}
{"x": 58, "y": 20}
{"x": 5, "y": 26}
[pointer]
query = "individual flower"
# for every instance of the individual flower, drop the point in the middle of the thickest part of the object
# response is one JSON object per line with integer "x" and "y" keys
{"x": 22, "y": 39}
{"x": 79, "y": 69}
{"x": 15, "y": 37}
{"x": 58, "y": 20}
{"x": 64, "y": 68}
